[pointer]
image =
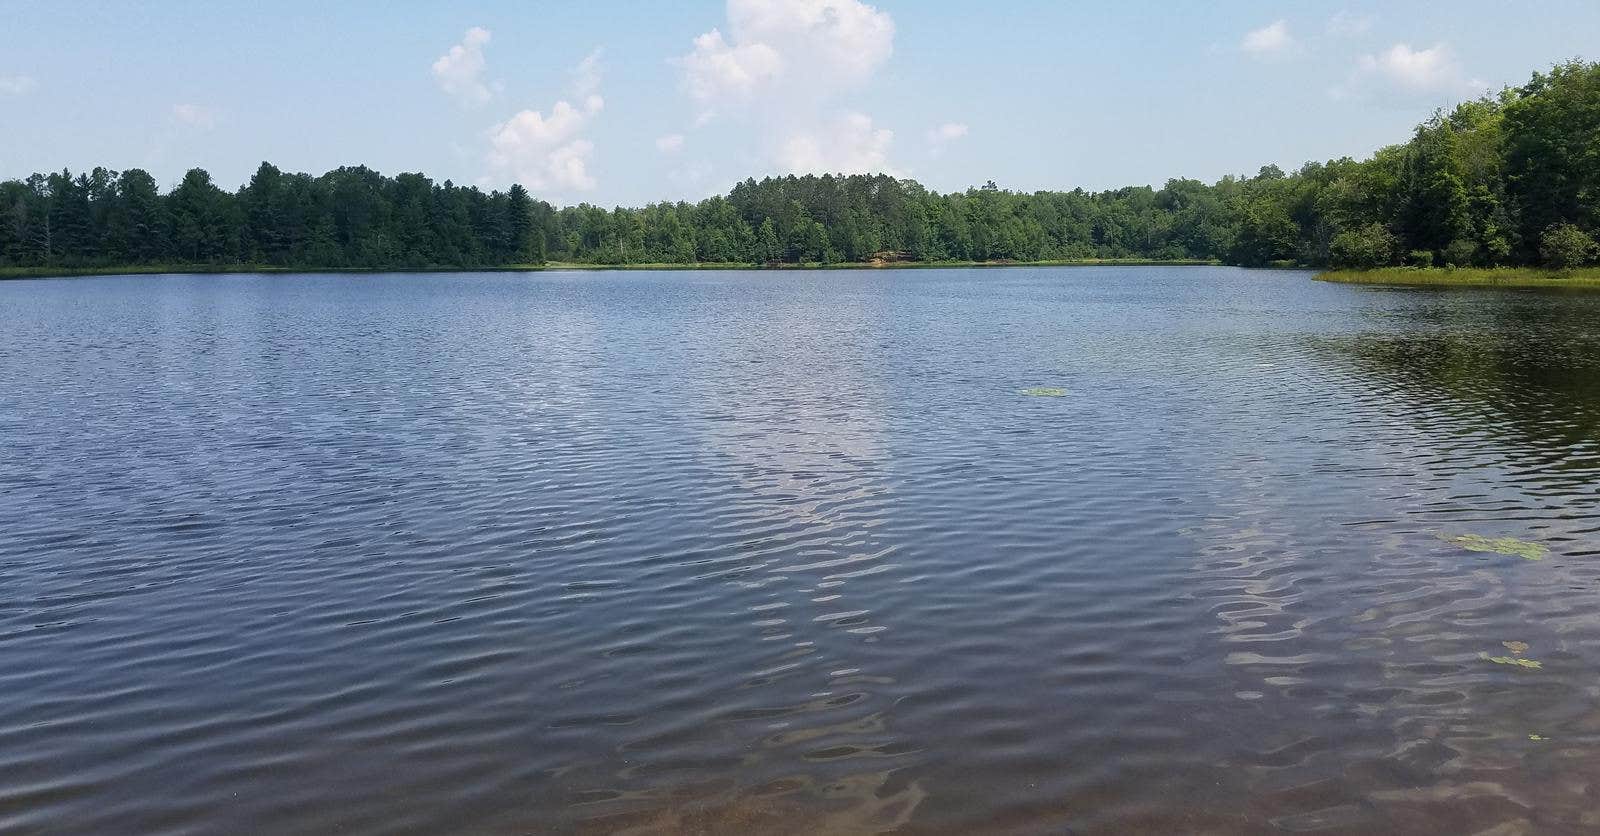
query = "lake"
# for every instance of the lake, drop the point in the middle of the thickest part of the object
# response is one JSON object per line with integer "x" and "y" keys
{"x": 795, "y": 552}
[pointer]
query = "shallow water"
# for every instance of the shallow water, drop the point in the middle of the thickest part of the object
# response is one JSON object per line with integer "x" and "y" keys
{"x": 796, "y": 552}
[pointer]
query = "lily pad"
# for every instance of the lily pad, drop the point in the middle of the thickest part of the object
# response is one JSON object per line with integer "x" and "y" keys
{"x": 1531, "y": 664}
{"x": 1498, "y": 545}
{"x": 1045, "y": 392}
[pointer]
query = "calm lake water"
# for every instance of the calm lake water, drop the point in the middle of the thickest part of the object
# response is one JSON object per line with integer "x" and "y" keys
{"x": 792, "y": 552}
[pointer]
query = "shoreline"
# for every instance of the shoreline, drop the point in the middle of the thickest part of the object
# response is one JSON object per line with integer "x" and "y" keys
{"x": 20, "y": 273}
{"x": 1582, "y": 278}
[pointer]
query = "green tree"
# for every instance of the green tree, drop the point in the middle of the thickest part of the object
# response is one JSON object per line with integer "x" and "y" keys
{"x": 767, "y": 249}
{"x": 1552, "y": 149}
{"x": 1435, "y": 210}
{"x": 1370, "y": 246}
{"x": 519, "y": 224}
{"x": 1485, "y": 183}
{"x": 69, "y": 231}
{"x": 1266, "y": 234}
{"x": 1564, "y": 246}
{"x": 264, "y": 237}
{"x": 201, "y": 216}
{"x": 137, "y": 225}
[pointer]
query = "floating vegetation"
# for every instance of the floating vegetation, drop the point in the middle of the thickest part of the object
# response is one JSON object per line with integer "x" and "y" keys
{"x": 1045, "y": 392}
{"x": 1530, "y": 664}
{"x": 1498, "y": 545}
{"x": 1537, "y": 737}
{"x": 1516, "y": 648}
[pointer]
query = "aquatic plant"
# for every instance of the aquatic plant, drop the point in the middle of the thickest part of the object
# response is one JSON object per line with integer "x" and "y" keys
{"x": 1530, "y": 664}
{"x": 1044, "y": 392}
{"x": 1498, "y": 545}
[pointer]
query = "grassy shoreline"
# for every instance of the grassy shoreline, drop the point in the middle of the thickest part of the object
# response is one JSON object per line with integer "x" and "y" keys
{"x": 1587, "y": 278}
{"x": 155, "y": 269}
{"x": 1584, "y": 278}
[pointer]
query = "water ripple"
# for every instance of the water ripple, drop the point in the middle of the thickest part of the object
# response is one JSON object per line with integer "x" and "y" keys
{"x": 653, "y": 553}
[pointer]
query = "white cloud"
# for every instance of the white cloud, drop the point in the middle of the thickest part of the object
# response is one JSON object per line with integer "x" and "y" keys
{"x": 546, "y": 152}
{"x": 809, "y": 48}
{"x": 1269, "y": 40}
{"x": 717, "y": 71}
{"x": 850, "y": 144}
{"x": 195, "y": 116}
{"x": 1347, "y": 24}
{"x": 1406, "y": 73}
{"x": 549, "y": 152}
{"x": 17, "y": 85}
{"x": 781, "y": 66}
{"x": 669, "y": 144}
{"x": 1414, "y": 69}
{"x": 586, "y": 76}
{"x": 459, "y": 71}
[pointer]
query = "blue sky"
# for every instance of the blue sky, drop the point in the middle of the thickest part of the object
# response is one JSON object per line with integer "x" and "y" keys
{"x": 632, "y": 102}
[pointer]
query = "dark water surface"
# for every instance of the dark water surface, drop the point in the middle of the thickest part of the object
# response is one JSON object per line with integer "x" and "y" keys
{"x": 754, "y": 552}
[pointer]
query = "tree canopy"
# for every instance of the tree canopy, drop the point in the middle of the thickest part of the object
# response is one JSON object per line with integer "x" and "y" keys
{"x": 1512, "y": 178}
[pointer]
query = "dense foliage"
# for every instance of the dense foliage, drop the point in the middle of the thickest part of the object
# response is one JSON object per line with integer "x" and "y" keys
{"x": 1507, "y": 179}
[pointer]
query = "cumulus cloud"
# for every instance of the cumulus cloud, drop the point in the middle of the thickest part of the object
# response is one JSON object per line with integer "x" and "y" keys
{"x": 549, "y": 151}
{"x": 195, "y": 116}
{"x": 850, "y": 144}
{"x": 1415, "y": 69}
{"x": 17, "y": 85}
{"x": 544, "y": 152}
{"x": 810, "y": 48}
{"x": 782, "y": 66}
{"x": 1270, "y": 40}
{"x": 459, "y": 72}
{"x": 669, "y": 144}
{"x": 1406, "y": 73}
{"x": 720, "y": 72}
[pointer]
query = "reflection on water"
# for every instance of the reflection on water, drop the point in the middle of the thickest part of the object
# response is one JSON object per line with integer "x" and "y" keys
{"x": 794, "y": 428}
{"x": 1467, "y": 423}
{"x": 1527, "y": 370}
{"x": 732, "y": 552}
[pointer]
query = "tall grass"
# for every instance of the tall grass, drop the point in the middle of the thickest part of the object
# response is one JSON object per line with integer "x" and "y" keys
{"x": 1583, "y": 277}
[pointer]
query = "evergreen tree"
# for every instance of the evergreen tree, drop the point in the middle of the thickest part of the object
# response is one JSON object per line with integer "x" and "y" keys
{"x": 1506, "y": 179}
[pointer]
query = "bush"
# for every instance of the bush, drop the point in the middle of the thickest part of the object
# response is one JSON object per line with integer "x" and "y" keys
{"x": 1564, "y": 246}
{"x": 1461, "y": 253}
{"x": 1420, "y": 258}
{"x": 1362, "y": 249}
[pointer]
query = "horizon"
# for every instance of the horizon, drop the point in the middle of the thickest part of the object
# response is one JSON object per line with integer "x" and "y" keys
{"x": 670, "y": 106}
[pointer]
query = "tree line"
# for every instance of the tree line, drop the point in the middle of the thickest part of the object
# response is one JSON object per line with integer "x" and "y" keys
{"x": 1507, "y": 179}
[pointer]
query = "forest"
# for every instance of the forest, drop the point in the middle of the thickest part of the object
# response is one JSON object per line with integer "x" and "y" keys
{"x": 1508, "y": 179}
